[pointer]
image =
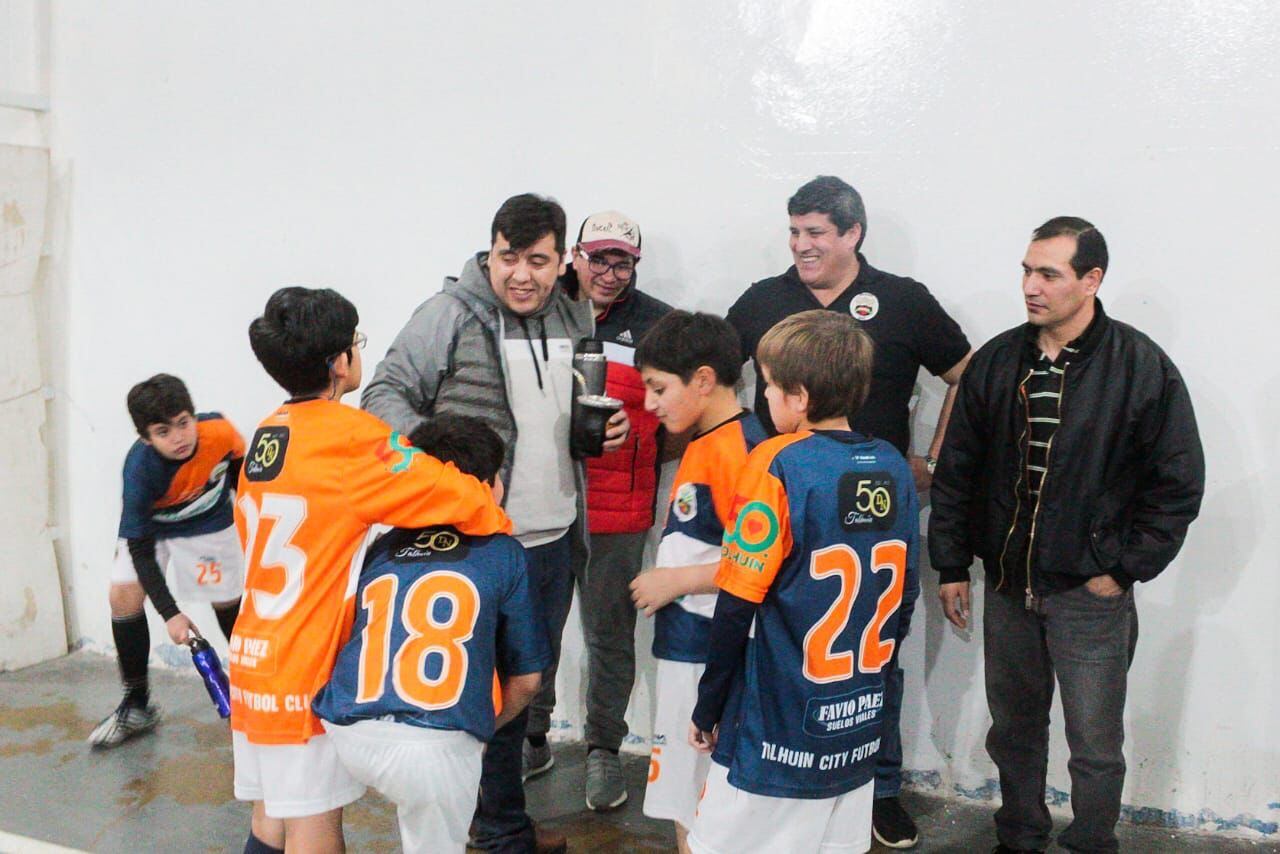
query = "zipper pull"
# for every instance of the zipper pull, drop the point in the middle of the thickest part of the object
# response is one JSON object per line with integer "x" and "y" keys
{"x": 1030, "y": 601}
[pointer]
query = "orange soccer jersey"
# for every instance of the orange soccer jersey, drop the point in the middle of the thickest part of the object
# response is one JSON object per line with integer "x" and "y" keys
{"x": 318, "y": 475}
{"x": 216, "y": 442}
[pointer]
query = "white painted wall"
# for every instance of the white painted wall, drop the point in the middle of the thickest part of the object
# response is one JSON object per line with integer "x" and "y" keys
{"x": 214, "y": 152}
{"x": 32, "y": 622}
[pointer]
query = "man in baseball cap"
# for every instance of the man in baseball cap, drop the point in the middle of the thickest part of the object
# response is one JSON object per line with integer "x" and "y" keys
{"x": 621, "y": 487}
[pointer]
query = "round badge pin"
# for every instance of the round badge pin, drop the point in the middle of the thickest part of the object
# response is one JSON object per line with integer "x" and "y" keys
{"x": 864, "y": 306}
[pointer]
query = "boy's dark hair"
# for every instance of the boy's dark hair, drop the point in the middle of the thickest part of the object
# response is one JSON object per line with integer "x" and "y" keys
{"x": 826, "y": 352}
{"x": 828, "y": 195}
{"x": 683, "y": 341}
{"x": 300, "y": 333}
{"x": 157, "y": 400}
{"x": 1091, "y": 247}
{"x": 526, "y": 218}
{"x": 467, "y": 442}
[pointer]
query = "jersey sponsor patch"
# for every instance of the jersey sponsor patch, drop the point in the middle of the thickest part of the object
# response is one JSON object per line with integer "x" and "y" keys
{"x": 756, "y": 527}
{"x": 865, "y": 501}
{"x": 685, "y": 502}
{"x": 397, "y": 453}
{"x": 429, "y": 543}
{"x": 266, "y": 454}
{"x": 826, "y": 717}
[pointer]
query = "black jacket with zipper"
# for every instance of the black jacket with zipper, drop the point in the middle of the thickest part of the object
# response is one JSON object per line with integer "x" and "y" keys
{"x": 1125, "y": 468}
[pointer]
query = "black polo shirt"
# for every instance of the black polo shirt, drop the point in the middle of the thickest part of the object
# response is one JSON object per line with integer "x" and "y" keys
{"x": 904, "y": 320}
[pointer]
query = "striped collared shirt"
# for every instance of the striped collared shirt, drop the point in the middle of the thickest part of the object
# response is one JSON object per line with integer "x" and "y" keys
{"x": 1042, "y": 394}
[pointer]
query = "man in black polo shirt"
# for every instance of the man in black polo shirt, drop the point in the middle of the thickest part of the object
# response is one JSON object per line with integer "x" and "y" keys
{"x": 910, "y": 329}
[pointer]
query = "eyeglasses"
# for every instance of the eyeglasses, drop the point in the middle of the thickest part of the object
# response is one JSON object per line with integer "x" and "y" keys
{"x": 357, "y": 343}
{"x": 622, "y": 270}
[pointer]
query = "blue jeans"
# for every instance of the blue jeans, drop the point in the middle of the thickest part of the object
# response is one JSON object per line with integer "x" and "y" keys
{"x": 889, "y": 758}
{"x": 1087, "y": 643}
{"x": 501, "y": 823}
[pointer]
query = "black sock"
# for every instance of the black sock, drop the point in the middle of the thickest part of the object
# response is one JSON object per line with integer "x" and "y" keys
{"x": 227, "y": 618}
{"x": 591, "y": 747}
{"x": 254, "y": 845}
{"x": 537, "y": 740}
{"x": 133, "y": 647}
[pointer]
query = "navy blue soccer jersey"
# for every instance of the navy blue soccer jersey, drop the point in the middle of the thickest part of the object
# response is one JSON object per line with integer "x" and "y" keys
{"x": 437, "y": 613}
{"x": 181, "y": 498}
{"x": 701, "y": 505}
{"x": 824, "y": 537}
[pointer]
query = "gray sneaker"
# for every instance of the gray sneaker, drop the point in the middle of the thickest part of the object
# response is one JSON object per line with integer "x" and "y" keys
{"x": 536, "y": 760}
{"x": 606, "y": 788}
{"x": 123, "y": 724}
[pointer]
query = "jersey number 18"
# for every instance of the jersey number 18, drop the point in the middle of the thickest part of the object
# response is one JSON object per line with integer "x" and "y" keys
{"x": 428, "y": 636}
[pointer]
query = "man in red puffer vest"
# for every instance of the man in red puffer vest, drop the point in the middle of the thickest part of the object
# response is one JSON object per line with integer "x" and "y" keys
{"x": 621, "y": 487}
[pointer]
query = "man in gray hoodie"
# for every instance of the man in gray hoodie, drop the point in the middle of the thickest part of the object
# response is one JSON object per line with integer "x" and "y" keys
{"x": 497, "y": 344}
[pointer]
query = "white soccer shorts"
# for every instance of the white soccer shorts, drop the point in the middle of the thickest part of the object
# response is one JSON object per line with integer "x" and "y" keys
{"x": 292, "y": 780}
{"x": 203, "y": 568}
{"x": 676, "y": 771}
{"x": 731, "y": 821}
{"x": 431, "y": 775}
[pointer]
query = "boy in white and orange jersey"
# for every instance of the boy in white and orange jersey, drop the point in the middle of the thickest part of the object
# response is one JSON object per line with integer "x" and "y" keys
{"x": 318, "y": 474}
{"x": 690, "y": 364}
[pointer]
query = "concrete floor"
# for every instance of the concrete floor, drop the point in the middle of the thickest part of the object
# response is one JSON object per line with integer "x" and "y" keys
{"x": 172, "y": 790}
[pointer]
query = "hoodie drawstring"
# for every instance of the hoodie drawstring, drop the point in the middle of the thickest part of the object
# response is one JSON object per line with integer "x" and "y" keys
{"x": 546, "y": 356}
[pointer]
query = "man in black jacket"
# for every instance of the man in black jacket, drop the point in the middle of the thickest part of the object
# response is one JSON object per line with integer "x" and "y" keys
{"x": 1072, "y": 467}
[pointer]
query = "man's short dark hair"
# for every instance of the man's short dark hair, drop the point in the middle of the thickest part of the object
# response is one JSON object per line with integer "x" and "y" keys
{"x": 682, "y": 341}
{"x": 1091, "y": 246}
{"x": 158, "y": 400}
{"x": 300, "y": 333}
{"x": 524, "y": 219}
{"x": 467, "y": 442}
{"x": 828, "y": 195}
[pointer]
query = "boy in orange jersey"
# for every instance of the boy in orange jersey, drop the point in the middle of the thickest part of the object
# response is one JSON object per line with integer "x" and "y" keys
{"x": 689, "y": 364}
{"x": 317, "y": 476}
{"x": 175, "y": 518}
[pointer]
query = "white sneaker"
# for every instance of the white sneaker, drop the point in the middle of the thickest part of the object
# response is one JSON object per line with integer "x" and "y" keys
{"x": 123, "y": 724}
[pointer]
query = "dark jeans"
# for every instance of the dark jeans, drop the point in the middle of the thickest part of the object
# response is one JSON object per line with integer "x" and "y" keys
{"x": 555, "y": 595}
{"x": 1087, "y": 641}
{"x": 609, "y": 624}
{"x": 501, "y": 823}
{"x": 889, "y": 757}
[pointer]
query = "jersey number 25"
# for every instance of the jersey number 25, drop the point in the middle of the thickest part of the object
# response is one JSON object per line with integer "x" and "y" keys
{"x": 842, "y": 562}
{"x": 428, "y": 636}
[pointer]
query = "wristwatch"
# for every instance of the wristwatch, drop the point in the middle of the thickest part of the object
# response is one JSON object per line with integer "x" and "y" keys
{"x": 930, "y": 463}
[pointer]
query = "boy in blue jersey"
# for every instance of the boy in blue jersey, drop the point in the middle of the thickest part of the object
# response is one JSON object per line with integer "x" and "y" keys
{"x": 815, "y": 573}
{"x": 689, "y": 364}
{"x": 412, "y": 698}
{"x": 176, "y": 517}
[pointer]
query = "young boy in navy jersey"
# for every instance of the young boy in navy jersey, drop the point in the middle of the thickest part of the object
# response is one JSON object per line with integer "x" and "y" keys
{"x": 689, "y": 364}
{"x": 824, "y": 531}
{"x": 176, "y": 518}
{"x": 412, "y": 698}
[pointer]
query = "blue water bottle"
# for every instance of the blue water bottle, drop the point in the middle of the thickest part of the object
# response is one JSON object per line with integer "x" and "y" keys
{"x": 215, "y": 678}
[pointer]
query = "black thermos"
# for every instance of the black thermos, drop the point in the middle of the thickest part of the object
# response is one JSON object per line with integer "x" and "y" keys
{"x": 591, "y": 409}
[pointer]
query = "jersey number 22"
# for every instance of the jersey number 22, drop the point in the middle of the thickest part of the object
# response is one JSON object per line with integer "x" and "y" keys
{"x": 840, "y": 561}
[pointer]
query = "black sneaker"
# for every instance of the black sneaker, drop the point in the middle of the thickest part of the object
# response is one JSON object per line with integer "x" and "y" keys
{"x": 891, "y": 825}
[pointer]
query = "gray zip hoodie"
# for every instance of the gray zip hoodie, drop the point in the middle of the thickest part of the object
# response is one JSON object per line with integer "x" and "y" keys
{"x": 450, "y": 358}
